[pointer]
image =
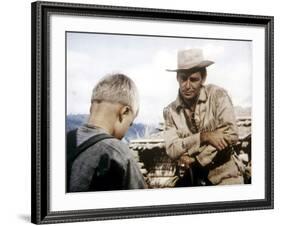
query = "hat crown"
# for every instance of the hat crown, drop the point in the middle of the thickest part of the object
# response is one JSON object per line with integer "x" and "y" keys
{"x": 189, "y": 58}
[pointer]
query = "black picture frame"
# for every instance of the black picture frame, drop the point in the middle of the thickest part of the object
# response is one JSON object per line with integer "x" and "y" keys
{"x": 40, "y": 211}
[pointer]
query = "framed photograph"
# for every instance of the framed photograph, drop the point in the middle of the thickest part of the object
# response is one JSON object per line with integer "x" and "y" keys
{"x": 140, "y": 112}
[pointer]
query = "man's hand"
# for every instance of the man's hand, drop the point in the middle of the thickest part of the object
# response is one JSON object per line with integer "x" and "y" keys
{"x": 185, "y": 161}
{"x": 215, "y": 138}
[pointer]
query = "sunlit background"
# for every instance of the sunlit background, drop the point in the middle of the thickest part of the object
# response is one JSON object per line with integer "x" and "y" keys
{"x": 145, "y": 59}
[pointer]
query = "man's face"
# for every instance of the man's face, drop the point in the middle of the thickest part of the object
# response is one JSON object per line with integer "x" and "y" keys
{"x": 189, "y": 84}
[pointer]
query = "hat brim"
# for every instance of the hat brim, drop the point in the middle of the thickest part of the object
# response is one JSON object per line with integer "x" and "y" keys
{"x": 202, "y": 64}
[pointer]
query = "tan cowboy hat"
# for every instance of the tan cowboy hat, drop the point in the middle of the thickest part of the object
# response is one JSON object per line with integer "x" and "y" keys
{"x": 190, "y": 59}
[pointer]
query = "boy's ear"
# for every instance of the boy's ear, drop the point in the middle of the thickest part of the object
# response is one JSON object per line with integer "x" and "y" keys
{"x": 124, "y": 110}
{"x": 91, "y": 108}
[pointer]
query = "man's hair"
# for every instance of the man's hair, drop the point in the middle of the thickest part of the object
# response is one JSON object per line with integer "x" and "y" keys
{"x": 117, "y": 88}
{"x": 202, "y": 71}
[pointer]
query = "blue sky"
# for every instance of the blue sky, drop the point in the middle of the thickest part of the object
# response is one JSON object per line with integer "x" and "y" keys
{"x": 145, "y": 59}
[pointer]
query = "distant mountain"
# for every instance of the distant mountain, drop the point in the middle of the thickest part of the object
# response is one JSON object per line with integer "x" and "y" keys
{"x": 140, "y": 130}
{"x": 136, "y": 131}
{"x": 74, "y": 121}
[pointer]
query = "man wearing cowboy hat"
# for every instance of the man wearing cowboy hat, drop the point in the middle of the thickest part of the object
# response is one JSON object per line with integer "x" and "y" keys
{"x": 200, "y": 126}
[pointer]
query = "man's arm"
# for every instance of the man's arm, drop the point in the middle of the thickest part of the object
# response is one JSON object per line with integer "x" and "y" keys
{"x": 178, "y": 141}
{"x": 215, "y": 138}
{"x": 226, "y": 132}
{"x": 226, "y": 117}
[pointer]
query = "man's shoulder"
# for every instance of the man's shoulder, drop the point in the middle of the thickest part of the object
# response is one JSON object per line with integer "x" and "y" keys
{"x": 171, "y": 106}
{"x": 214, "y": 90}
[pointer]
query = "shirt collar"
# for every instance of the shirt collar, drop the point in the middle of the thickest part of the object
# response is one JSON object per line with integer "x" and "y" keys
{"x": 202, "y": 98}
